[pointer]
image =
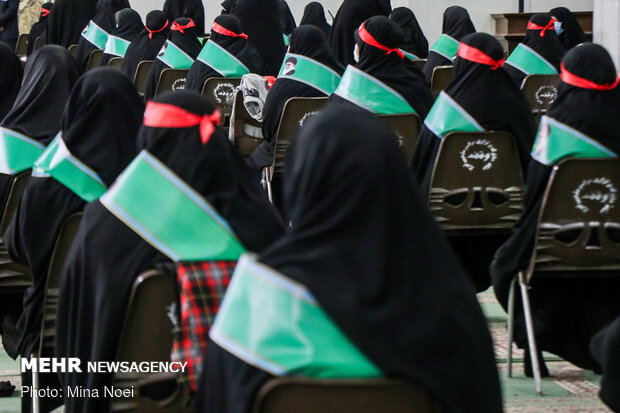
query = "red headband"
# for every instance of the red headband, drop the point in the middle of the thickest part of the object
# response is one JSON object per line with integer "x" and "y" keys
{"x": 534, "y": 26}
{"x": 574, "y": 80}
{"x": 474, "y": 55}
{"x": 162, "y": 115}
{"x": 177, "y": 27}
{"x": 156, "y": 31}
{"x": 44, "y": 12}
{"x": 217, "y": 28}
{"x": 367, "y": 38}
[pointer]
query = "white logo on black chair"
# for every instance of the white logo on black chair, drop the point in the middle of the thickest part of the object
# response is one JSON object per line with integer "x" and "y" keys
{"x": 479, "y": 153}
{"x": 596, "y": 193}
{"x": 307, "y": 116}
{"x": 546, "y": 95}
{"x": 179, "y": 84}
{"x": 224, "y": 93}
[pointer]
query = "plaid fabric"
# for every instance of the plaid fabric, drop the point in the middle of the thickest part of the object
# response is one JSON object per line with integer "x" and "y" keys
{"x": 202, "y": 286}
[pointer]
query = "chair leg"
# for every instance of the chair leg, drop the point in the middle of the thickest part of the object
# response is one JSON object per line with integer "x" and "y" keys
{"x": 529, "y": 323}
{"x": 35, "y": 388}
{"x": 511, "y": 315}
{"x": 269, "y": 192}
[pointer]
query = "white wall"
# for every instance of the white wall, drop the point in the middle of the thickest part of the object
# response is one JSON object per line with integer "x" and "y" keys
{"x": 428, "y": 12}
{"x": 607, "y": 26}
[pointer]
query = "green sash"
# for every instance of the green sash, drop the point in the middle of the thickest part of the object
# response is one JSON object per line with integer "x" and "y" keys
{"x": 95, "y": 35}
{"x": 529, "y": 62}
{"x": 556, "y": 141}
{"x": 371, "y": 94}
{"x": 446, "y": 46}
{"x": 311, "y": 73}
{"x": 286, "y": 43}
{"x": 448, "y": 116}
{"x": 17, "y": 152}
{"x": 174, "y": 57}
{"x": 409, "y": 55}
{"x": 116, "y": 46}
{"x": 165, "y": 211}
{"x": 275, "y": 324}
{"x": 222, "y": 61}
{"x": 61, "y": 165}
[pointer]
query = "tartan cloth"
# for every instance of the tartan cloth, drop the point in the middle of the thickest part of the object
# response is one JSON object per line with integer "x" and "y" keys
{"x": 201, "y": 289}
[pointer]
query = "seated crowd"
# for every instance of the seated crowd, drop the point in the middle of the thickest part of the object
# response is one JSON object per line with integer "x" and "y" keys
{"x": 347, "y": 273}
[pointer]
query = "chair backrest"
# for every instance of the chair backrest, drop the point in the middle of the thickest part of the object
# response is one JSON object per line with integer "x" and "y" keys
{"x": 12, "y": 200}
{"x": 477, "y": 183}
{"x": 21, "y": 47}
{"x": 406, "y": 129}
{"x": 115, "y": 62}
{"x": 296, "y": 111}
{"x": 66, "y": 235}
{"x": 540, "y": 91}
{"x": 73, "y": 49}
{"x": 419, "y": 63}
{"x": 441, "y": 78}
{"x": 220, "y": 91}
{"x": 142, "y": 74}
{"x": 579, "y": 225}
{"x": 171, "y": 79}
{"x": 38, "y": 43}
{"x": 94, "y": 59}
{"x": 245, "y": 132}
{"x": 302, "y": 395}
{"x": 146, "y": 336}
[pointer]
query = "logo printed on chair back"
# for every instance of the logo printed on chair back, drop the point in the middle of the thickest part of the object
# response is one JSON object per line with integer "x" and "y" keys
{"x": 179, "y": 84}
{"x": 595, "y": 193}
{"x": 479, "y": 153}
{"x": 307, "y": 116}
{"x": 224, "y": 93}
{"x": 546, "y": 95}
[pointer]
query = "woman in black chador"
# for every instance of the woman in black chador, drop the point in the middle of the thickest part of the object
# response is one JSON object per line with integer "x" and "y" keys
{"x": 227, "y": 33}
{"x": 351, "y": 14}
{"x": 38, "y": 29}
{"x": 478, "y": 78}
{"x": 568, "y": 28}
{"x": 148, "y": 44}
{"x": 542, "y": 39}
{"x": 49, "y": 75}
{"x": 67, "y": 20}
{"x": 305, "y": 41}
{"x": 104, "y": 19}
{"x": 128, "y": 27}
{"x": 11, "y": 74}
{"x": 193, "y": 9}
{"x": 372, "y": 258}
{"x": 456, "y": 24}
{"x": 103, "y": 146}
{"x": 378, "y": 41}
{"x": 314, "y": 15}
{"x": 261, "y": 22}
{"x": 567, "y": 314}
{"x": 182, "y": 36}
{"x": 107, "y": 255}
{"x": 415, "y": 42}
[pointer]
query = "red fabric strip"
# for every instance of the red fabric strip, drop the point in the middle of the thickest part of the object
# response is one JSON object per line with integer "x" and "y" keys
{"x": 156, "y": 31}
{"x": 177, "y": 27}
{"x": 163, "y": 115}
{"x": 44, "y": 12}
{"x": 217, "y": 28}
{"x": 534, "y": 26}
{"x": 574, "y": 80}
{"x": 368, "y": 39}
{"x": 474, "y": 55}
